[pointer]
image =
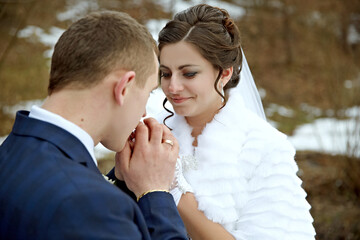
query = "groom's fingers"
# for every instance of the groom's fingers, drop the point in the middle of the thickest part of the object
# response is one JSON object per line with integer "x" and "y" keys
{"x": 141, "y": 135}
{"x": 122, "y": 161}
{"x": 155, "y": 130}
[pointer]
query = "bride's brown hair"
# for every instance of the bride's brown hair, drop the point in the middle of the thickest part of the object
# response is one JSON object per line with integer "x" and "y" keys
{"x": 213, "y": 33}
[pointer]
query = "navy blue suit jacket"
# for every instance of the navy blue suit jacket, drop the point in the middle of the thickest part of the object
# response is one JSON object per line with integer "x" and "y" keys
{"x": 51, "y": 189}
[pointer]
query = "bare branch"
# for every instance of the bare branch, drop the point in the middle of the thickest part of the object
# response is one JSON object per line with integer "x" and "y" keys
{"x": 16, "y": 2}
{"x": 14, "y": 37}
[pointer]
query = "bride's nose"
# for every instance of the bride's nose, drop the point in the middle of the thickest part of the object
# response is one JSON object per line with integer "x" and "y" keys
{"x": 175, "y": 85}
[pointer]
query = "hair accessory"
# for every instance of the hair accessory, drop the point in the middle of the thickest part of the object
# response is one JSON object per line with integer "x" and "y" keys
{"x": 228, "y": 23}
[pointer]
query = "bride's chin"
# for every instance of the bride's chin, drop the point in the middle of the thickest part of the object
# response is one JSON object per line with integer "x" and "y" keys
{"x": 181, "y": 112}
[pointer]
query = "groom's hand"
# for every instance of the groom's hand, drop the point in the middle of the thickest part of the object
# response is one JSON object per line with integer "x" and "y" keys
{"x": 150, "y": 163}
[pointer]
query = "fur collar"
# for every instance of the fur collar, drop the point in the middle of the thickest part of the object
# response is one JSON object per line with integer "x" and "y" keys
{"x": 223, "y": 162}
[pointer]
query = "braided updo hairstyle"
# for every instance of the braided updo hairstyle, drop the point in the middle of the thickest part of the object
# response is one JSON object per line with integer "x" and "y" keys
{"x": 213, "y": 33}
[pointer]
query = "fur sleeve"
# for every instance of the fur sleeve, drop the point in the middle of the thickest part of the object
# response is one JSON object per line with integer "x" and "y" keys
{"x": 276, "y": 207}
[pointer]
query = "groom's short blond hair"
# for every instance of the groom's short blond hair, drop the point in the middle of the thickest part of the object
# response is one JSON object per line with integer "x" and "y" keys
{"x": 97, "y": 44}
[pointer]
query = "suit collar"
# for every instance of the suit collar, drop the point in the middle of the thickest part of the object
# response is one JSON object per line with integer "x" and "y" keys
{"x": 50, "y": 117}
{"x": 65, "y": 141}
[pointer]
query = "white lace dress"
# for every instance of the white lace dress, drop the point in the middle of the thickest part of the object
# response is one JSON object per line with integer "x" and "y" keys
{"x": 243, "y": 175}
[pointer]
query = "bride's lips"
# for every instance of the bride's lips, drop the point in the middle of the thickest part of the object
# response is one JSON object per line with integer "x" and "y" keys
{"x": 179, "y": 99}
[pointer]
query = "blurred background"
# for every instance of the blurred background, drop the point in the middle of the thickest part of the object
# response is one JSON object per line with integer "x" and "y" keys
{"x": 304, "y": 56}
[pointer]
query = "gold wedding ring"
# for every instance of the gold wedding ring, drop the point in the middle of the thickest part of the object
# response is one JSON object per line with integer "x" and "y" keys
{"x": 168, "y": 141}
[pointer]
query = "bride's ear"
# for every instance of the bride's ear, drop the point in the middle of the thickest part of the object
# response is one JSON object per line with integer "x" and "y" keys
{"x": 122, "y": 86}
{"x": 226, "y": 75}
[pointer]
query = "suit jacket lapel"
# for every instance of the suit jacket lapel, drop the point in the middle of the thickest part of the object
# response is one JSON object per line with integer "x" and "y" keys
{"x": 65, "y": 141}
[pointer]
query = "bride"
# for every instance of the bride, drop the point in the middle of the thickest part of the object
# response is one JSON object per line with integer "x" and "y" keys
{"x": 236, "y": 174}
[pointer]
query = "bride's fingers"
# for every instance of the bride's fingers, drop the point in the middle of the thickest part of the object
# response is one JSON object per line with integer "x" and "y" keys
{"x": 167, "y": 135}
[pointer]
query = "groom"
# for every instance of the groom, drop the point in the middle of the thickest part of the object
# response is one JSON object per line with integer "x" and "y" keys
{"x": 103, "y": 69}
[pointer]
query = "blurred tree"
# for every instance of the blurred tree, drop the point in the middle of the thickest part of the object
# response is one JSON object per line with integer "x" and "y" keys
{"x": 141, "y": 10}
{"x": 23, "y": 67}
{"x": 11, "y": 16}
{"x": 291, "y": 43}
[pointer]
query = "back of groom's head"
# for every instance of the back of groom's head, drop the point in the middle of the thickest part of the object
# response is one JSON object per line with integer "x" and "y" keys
{"x": 97, "y": 44}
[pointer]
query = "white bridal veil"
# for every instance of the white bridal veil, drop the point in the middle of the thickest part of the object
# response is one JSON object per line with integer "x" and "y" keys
{"x": 248, "y": 90}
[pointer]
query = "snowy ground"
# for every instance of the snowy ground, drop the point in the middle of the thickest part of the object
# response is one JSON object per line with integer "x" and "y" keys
{"x": 330, "y": 135}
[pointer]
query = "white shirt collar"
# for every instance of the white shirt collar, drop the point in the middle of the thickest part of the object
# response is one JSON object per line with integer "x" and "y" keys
{"x": 46, "y": 116}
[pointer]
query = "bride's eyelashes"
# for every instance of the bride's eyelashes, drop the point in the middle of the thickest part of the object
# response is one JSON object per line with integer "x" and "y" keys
{"x": 190, "y": 74}
{"x": 164, "y": 75}
{"x": 186, "y": 75}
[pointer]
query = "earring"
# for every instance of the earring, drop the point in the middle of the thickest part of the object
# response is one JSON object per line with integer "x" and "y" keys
{"x": 222, "y": 91}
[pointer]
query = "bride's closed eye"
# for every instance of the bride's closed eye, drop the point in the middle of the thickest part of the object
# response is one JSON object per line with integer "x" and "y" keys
{"x": 190, "y": 74}
{"x": 167, "y": 75}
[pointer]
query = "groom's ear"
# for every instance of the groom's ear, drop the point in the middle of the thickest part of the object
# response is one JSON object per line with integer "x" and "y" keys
{"x": 122, "y": 86}
{"x": 226, "y": 75}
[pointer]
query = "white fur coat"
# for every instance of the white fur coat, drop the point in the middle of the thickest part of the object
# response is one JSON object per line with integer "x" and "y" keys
{"x": 244, "y": 175}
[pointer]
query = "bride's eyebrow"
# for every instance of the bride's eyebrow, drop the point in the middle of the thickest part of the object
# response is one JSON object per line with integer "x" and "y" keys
{"x": 180, "y": 67}
{"x": 187, "y": 65}
{"x": 162, "y": 66}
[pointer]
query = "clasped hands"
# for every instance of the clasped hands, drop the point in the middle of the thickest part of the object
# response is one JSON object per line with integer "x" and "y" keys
{"x": 148, "y": 163}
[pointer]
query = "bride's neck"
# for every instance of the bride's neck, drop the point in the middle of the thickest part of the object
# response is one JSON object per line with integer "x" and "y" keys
{"x": 198, "y": 123}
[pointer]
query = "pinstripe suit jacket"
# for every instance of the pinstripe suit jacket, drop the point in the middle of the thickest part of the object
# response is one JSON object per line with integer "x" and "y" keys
{"x": 51, "y": 189}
